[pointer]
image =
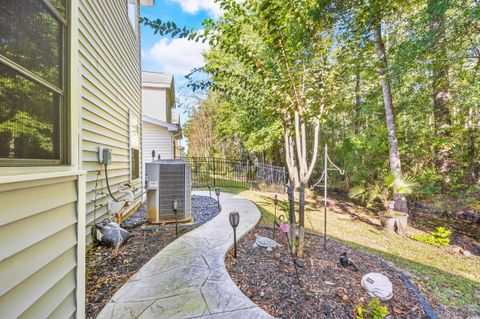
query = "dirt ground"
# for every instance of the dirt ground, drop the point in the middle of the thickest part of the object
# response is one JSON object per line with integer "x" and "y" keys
{"x": 327, "y": 290}
{"x": 108, "y": 270}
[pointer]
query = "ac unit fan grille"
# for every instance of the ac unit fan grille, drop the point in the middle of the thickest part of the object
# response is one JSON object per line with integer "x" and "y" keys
{"x": 172, "y": 187}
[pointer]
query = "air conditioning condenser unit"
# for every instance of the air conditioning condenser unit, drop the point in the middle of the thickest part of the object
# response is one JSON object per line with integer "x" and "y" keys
{"x": 167, "y": 181}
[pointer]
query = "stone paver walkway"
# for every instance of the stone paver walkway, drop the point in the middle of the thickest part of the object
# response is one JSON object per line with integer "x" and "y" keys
{"x": 188, "y": 279}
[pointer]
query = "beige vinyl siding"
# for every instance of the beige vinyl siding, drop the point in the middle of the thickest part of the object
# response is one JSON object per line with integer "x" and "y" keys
{"x": 38, "y": 248}
{"x": 156, "y": 138}
{"x": 110, "y": 89}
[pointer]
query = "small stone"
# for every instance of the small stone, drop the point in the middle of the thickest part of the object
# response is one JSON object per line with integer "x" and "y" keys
{"x": 262, "y": 294}
{"x": 330, "y": 283}
{"x": 467, "y": 254}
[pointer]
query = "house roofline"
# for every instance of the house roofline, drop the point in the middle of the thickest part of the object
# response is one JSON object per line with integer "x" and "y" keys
{"x": 147, "y": 3}
{"x": 169, "y": 126}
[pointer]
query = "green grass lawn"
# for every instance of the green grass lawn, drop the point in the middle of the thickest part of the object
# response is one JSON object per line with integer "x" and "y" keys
{"x": 450, "y": 280}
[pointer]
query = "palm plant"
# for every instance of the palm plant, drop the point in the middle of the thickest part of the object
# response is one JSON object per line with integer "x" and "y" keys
{"x": 383, "y": 190}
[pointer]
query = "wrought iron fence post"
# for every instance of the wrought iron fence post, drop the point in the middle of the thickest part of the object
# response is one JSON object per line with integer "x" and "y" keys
{"x": 214, "y": 178}
{"x": 246, "y": 175}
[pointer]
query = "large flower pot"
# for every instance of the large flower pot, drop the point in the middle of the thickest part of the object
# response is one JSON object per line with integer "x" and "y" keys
{"x": 395, "y": 222}
{"x": 402, "y": 219}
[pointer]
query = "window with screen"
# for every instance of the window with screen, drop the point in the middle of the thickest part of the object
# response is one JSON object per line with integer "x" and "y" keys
{"x": 135, "y": 141}
{"x": 135, "y": 173}
{"x": 32, "y": 82}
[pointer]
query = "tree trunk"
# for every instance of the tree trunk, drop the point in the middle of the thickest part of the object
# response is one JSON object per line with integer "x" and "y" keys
{"x": 358, "y": 102}
{"x": 472, "y": 132}
{"x": 440, "y": 87}
{"x": 394, "y": 154}
{"x": 471, "y": 176}
{"x": 290, "y": 158}
{"x": 291, "y": 215}
{"x": 301, "y": 220}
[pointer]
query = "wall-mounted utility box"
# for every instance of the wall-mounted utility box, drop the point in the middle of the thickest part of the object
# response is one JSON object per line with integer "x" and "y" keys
{"x": 168, "y": 180}
{"x": 104, "y": 156}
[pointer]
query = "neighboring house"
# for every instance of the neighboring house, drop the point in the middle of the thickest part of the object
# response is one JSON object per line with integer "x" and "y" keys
{"x": 161, "y": 124}
{"x": 70, "y": 82}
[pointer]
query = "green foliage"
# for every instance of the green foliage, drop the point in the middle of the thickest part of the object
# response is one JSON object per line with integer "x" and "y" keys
{"x": 271, "y": 57}
{"x": 440, "y": 237}
{"x": 375, "y": 310}
{"x": 23, "y": 125}
{"x": 383, "y": 190}
{"x": 378, "y": 311}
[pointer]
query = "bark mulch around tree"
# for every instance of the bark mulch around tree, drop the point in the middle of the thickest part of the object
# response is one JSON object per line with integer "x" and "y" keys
{"x": 329, "y": 291}
{"x": 108, "y": 269}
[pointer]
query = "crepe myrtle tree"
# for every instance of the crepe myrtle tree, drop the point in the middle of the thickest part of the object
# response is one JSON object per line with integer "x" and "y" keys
{"x": 286, "y": 47}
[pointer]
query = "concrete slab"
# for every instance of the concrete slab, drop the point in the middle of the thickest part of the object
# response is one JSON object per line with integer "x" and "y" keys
{"x": 188, "y": 279}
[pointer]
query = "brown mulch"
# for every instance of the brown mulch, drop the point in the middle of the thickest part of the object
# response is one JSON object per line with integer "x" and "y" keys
{"x": 329, "y": 291}
{"x": 108, "y": 270}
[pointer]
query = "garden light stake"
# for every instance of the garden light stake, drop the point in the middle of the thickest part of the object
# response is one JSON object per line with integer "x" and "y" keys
{"x": 175, "y": 205}
{"x": 275, "y": 203}
{"x": 234, "y": 219}
{"x": 217, "y": 192}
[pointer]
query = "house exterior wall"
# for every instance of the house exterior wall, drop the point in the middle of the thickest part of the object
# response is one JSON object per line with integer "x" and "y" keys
{"x": 154, "y": 103}
{"x": 110, "y": 97}
{"x": 42, "y": 222}
{"x": 41, "y": 261}
{"x": 156, "y": 138}
{"x": 44, "y": 208}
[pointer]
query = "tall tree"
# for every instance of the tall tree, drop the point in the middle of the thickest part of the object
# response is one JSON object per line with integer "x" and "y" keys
{"x": 383, "y": 70}
{"x": 440, "y": 85}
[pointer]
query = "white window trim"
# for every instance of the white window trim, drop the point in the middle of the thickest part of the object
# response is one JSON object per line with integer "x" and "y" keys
{"x": 132, "y": 8}
{"x": 71, "y": 105}
{"x": 136, "y": 147}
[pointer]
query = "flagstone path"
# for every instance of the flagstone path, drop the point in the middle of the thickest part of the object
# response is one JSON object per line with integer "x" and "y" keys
{"x": 188, "y": 279}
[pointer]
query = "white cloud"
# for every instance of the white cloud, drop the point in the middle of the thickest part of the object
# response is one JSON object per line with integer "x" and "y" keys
{"x": 193, "y": 6}
{"x": 177, "y": 56}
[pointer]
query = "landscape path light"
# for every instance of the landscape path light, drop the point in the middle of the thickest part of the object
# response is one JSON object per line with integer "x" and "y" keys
{"x": 275, "y": 203}
{"x": 234, "y": 221}
{"x": 175, "y": 205}
{"x": 210, "y": 189}
{"x": 217, "y": 192}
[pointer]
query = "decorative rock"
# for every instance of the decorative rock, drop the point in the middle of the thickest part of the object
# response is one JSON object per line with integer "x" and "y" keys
{"x": 265, "y": 242}
{"x": 467, "y": 254}
{"x": 378, "y": 285}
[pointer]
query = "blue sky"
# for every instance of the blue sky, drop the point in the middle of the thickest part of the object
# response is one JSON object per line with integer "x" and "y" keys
{"x": 176, "y": 56}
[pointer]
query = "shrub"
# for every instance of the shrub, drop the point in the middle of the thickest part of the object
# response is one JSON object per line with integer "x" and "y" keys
{"x": 440, "y": 237}
{"x": 375, "y": 310}
{"x": 383, "y": 190}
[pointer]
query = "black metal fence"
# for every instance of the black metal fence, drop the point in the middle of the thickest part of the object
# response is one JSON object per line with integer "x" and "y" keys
{"x": 220, "y": 172}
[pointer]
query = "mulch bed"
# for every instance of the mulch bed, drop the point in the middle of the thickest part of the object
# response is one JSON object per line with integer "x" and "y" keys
{"x": 329, "y": 291}
{"x": 108, "y": 269}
